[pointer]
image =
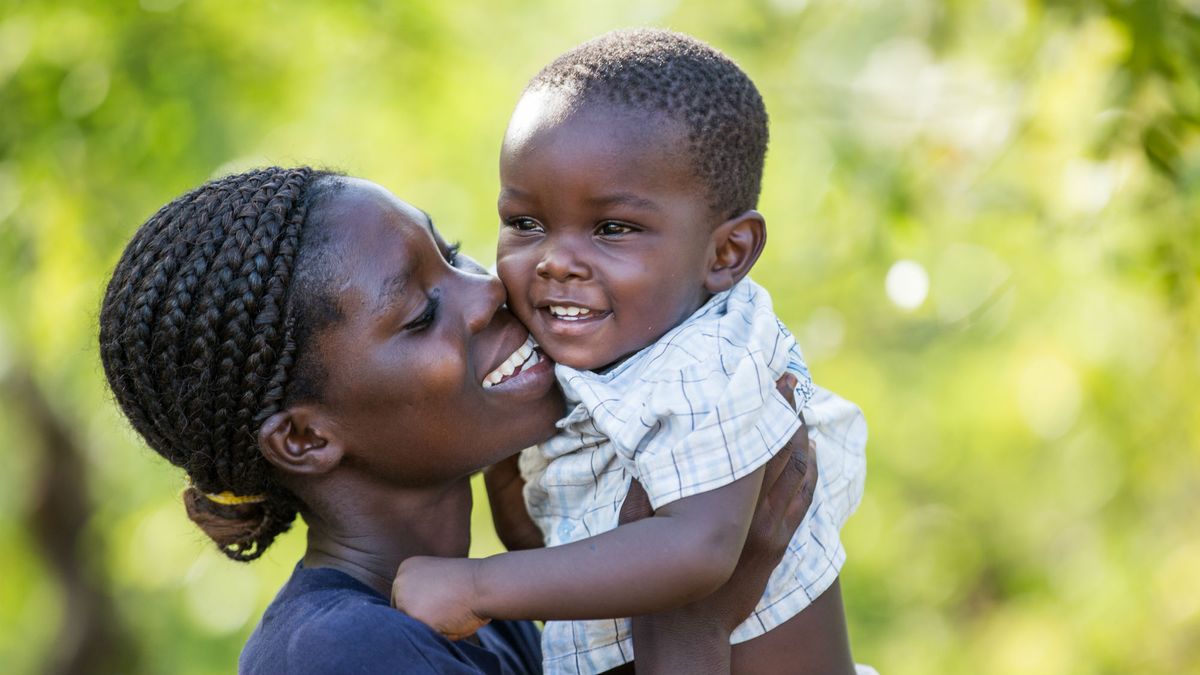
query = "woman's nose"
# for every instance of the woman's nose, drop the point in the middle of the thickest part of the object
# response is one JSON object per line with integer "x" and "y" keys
{"x": 560, "y": 262}
{"x": 486, "y": 297}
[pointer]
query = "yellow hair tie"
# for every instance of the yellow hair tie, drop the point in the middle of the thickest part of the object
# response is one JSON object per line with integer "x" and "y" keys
{"x": 229, "y": 499}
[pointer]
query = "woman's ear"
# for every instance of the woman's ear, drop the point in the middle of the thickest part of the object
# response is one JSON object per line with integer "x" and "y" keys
{"x": 299, "y": 441}
{"x": 735, "y": 247}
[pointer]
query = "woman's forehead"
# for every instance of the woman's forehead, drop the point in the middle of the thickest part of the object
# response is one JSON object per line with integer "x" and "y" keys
{"x": 379, "y": 237}
{"x": 365, "y": 199}
{"x": 366, "y": 216}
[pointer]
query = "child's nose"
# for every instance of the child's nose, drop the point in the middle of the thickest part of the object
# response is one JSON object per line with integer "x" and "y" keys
{"x": 562, "y": 263}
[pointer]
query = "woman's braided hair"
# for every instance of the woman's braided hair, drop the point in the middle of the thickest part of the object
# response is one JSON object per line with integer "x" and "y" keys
{"x": 199, "y": 342}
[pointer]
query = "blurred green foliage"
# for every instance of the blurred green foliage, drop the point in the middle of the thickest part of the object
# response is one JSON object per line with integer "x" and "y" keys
{"x": 985, "y": 229}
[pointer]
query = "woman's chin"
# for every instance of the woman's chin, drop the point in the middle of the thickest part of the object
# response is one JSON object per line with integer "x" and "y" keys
{"x": 535, "y": 400}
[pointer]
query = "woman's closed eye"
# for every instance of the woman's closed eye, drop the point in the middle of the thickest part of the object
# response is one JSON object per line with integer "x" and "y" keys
{"x": 428, "y": 315}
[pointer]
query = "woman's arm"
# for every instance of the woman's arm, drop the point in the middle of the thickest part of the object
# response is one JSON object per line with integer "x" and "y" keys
{"x": 684, "y": 552}
{"x": 505, "y": 490}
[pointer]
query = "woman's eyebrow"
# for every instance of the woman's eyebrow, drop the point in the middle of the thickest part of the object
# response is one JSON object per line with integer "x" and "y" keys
{"x": 391, "y": 291}
{"x": 393, "y": 287}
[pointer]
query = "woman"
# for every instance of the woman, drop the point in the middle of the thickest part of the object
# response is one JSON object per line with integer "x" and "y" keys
{"x": 300, "y": 342}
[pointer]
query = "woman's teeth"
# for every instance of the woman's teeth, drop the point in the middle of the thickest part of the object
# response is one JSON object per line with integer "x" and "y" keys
{"x": 524, "y": 357}
{"x": 569, "y": 313}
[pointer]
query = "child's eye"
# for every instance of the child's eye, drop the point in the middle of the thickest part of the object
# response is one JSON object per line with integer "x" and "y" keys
{"x": 523, "y": 224}
{"x": 611, "y": 228}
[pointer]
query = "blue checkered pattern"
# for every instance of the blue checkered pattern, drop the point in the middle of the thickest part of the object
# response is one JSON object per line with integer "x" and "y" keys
{"x": 694, "y": 411}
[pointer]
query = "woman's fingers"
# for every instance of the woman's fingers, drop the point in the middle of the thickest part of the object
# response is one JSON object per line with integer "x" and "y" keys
{"x": 787, "y": 387}
{"x": 790, "y": 477}
{"x": 802, "y": 499}
{"x": 774, "y": 470}
{"x": 785, "y": 472}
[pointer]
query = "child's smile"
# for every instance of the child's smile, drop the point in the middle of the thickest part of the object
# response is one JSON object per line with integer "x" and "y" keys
{"x": 568, "y": 319}
{"x": 604, "y": 235}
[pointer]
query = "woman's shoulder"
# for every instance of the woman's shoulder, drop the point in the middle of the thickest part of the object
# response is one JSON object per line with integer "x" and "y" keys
{"x": 324, "y": 621}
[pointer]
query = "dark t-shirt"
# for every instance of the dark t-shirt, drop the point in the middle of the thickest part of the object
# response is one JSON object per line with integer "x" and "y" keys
{"x": 324, "y": 621}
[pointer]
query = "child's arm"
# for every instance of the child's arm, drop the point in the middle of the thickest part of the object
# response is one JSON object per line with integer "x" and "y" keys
{"x": 684, "y": 552}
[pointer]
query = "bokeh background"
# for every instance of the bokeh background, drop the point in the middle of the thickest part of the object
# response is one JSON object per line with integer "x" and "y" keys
{"x": 985, "y": 229}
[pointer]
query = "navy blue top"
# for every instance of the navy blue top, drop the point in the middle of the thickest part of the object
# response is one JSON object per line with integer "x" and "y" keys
{"x": 324, "y": 621}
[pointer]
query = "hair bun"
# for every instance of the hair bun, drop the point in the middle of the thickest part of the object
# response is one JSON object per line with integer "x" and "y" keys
{"x": 241, "y": 531}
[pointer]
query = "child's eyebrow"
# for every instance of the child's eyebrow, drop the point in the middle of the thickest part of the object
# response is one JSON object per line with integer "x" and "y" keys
{"x": 625, "y": 199}
{"x": 512, "y": 193}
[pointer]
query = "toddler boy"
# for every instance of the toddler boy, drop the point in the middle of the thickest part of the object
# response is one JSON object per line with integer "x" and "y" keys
{"x": 629, "y": 175}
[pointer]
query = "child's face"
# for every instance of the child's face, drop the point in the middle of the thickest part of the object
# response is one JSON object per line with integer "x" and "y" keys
{"x": 604, "y": 231}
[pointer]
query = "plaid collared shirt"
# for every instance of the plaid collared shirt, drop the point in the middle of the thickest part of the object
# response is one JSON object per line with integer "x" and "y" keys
{"x": 694, "y": 411}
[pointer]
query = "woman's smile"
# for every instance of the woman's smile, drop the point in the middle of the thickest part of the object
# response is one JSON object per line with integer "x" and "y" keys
{"x": 517, "y": 363}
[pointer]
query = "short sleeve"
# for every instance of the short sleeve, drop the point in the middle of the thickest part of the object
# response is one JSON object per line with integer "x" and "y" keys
{"x": 709, "y": 426}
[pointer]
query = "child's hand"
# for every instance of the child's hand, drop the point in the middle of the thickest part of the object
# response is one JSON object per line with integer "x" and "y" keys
{"x": 439, "y": 592}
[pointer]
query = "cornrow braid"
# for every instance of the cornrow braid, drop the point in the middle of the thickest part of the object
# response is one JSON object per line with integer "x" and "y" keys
{"x": 198, "y": 340}
{"x": 692, "y": 83}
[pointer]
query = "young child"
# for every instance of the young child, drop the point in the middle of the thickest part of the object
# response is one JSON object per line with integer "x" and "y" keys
{"x": 629, "y": 174}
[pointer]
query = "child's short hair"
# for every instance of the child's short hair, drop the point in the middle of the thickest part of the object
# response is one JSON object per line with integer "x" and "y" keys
{"x": 691, "y": 82}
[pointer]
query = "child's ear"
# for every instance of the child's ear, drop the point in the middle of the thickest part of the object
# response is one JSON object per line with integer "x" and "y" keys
{"x": 300, "y": 440}
{"x": 734, "y": 248}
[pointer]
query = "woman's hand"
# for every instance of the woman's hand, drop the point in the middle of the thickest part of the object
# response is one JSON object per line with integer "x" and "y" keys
{"x": 439, "y": 592}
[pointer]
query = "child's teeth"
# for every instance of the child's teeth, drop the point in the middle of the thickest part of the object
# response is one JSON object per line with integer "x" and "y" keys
{"x": 563, "y": 311}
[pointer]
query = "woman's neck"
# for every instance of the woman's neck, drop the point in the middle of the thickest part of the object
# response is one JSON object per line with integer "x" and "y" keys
{"x": 367, "y": 533}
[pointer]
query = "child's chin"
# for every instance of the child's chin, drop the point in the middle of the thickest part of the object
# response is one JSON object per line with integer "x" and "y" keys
{"x": 600, "y": 365}
{"x": 573, "y": 359}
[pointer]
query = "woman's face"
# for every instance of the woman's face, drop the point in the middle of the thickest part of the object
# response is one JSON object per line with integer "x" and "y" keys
{"x": 420, "y": 330}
